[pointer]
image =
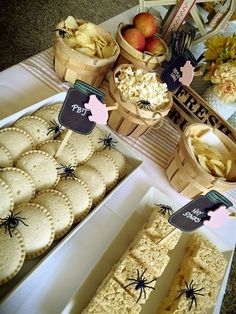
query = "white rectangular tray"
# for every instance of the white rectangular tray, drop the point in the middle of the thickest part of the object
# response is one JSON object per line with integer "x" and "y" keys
{"x": 118, "y": 246}
{"x": 29, "y": 266}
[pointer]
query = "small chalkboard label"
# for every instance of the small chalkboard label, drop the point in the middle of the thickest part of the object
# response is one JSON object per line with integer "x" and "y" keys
{"x": 192, "y": 215}
{"x": 74, "y": 115}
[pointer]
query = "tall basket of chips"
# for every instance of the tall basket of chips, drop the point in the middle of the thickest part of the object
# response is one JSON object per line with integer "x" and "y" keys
{"x": 84, "y": 51}
{"x": 204, "y": 159}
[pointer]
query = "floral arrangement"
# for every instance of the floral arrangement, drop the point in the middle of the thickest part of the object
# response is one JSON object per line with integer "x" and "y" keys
{"x": 220, "y": 67}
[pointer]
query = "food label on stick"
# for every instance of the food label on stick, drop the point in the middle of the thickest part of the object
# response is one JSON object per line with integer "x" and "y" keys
{"x": 192, "y": 215}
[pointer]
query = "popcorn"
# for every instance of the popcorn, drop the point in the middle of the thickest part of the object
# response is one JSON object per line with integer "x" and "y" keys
{"x": 136, "y": 85}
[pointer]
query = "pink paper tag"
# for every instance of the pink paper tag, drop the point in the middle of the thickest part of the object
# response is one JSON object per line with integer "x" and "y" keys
{"x": 218, "y": 218}
{"x": 187, "y": 73}
{"x": 98, "y": 110}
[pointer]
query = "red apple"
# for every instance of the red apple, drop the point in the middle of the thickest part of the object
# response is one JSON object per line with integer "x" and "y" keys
{"x": 155, "y": 45}
{"x": 146, "y": 23}
{"x": 135, "y": 38}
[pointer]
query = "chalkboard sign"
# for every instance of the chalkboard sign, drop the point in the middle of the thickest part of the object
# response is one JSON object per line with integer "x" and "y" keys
{"x": 73, "y": 114}
{"x": 192, "y": 215}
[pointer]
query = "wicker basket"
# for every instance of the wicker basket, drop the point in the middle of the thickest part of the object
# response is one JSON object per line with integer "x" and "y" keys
{"x": 185, "y": 173}
{"x": 71, "y": 65}
{"x": 128, "y": 119}
{"x": 128, "y": 54}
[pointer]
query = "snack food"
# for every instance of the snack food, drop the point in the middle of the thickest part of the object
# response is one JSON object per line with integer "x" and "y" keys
{"x": 5, "y": 194}
{"x": 5, "y": 158}
{"x": 37, "y": 230}
{"x": 119, "y": 160}
{"x": 20, "y": 183}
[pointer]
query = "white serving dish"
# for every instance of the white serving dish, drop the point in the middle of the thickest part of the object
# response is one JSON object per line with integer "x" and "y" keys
{"x": 29, "y": 266}
{"x": 119, "y": 245}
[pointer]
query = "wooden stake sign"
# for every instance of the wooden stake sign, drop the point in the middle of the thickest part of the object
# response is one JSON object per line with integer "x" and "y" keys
{"x": 193, "y": 215}
{"x": 81, "y": 110}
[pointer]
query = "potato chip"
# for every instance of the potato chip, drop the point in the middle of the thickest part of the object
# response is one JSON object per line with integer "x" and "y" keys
{"x": 71, "y": 23}
{"x": 218, "y": 163}
{"x": 108, "y": 51}
{"x": 88, "y": 29}
{"x": 86, "y": 51}
{"x": 202, "y": 161}
{"x": 71, "y": 41}
{"x": 228, "y": 166}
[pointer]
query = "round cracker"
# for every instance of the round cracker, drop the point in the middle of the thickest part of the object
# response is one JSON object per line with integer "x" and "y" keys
{"x": 67, "y": 156}
{"x": 48, "y": 113}
{"x": 107, "y": 168}
{"x": 92, "y": 178}
{"x": 39, "y": 232}
{"x": 78, "y": 194}
{"x": 16, "y": 141}
{"x": 36, "y": 127}
{"x": 97, "y": 137}
{"x": 12, "y": 254}
{"x": 20, "y": 183}
{"x": 5, "y": 158}
{"x": 59, "y": 207}
{"x": 82, "y": 145}
{"x": 41, "y": 167}
{"x": 119, "y": 160}
{"x": 6, "y": 197}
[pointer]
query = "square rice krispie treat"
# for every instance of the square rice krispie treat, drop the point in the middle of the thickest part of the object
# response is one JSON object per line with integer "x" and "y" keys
{"x": 128, "y": 269}
{"x": 170, "y": 241}
{"x": 113, "y": 299}
{"x": 207, "y": 256}
{"x": 149, "y": 254}
{"x": 158, "y": 225}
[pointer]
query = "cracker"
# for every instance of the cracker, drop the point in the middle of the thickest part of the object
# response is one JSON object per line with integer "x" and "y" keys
{"x": 39, "y": 232}
{"x": 78, "y": 195}
{"x": 36, "y": 127}
{"x": 16, "y": 141}
{"x": 68, "y": 155}
{"x": 6, "y": 197}
{"x": 113, "y": 299}
{"x": 20, "y": 183}
{"x": 41, "y": 167}
{"x": 97, "y": 136}
{"x": 119, "y": 160}
{"x": 149, "y": 254}
{"x": 12, "y": 254}
{"x": 127, "y": 268}
{"x": 5, "y": 158}
{"x": 106, "y": 167}
{"x": 82, "y": 145}
{"x": 59, "y": 207}
{"x": 93, "y": 180}
{"x": 48, "y": 113}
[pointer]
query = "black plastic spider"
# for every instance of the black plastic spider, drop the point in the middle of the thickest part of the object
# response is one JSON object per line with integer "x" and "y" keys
{"x": 165, "y": 209}
{"x": 62, "y": 32}
{"x": 144, "y": 104}
{"x": 190, "y": 293}
{"x": 55, "y": 128}
{"x": 140, "y": 283}
{"x": 11, "y": 222}
{"x": 108, "y": 141}
{"x": 67, "y": 171}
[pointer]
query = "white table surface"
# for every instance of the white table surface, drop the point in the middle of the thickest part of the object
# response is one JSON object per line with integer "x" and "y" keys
{"x": 51, "y": 285}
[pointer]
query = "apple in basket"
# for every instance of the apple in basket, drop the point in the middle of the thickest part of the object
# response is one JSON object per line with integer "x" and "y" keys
{"x": 146, "y": 23}
{"x": 135, "y": 38}
{"x": 155, "y": 45}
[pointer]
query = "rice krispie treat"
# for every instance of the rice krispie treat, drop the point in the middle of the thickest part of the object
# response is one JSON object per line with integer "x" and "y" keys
{"x": 36, "y": 127}
{"x": 149, "y": 254}
{"x": 16, "y": 141}
{"x": 128, "y": 272}
{"x": 113, "y": 299}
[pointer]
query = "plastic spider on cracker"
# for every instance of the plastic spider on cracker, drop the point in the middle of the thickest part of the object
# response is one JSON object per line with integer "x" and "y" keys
{"x": 55, "y": 128}
{"x": 141, "y": 284}
{"x": 67, "y": 171}
{"x": 190, "y": 293}
{"x": 108, "y": 141}
{"x": 11, "y": 222}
